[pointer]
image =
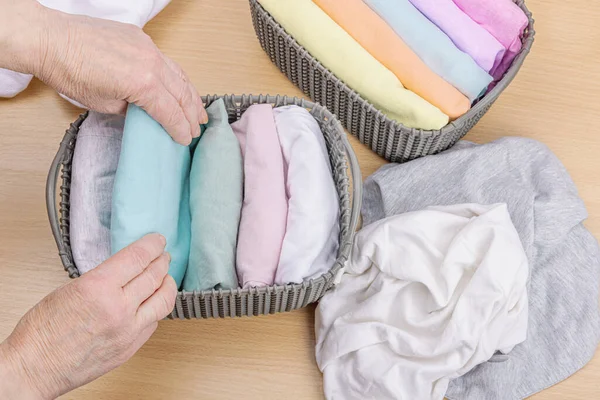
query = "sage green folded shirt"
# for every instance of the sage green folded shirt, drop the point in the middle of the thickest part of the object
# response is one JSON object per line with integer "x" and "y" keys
{"x": 151, "y": 190}
{"x": 216, "y": 186}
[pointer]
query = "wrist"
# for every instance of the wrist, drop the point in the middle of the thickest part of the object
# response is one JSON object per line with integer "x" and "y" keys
{"x": 14, "y": 383}
{"x": 24, "y": 35}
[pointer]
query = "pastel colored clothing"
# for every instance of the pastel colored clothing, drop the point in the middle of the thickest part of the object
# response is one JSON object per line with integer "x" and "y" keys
{"x": 311, "y": 238}
{"x": 374, "y": 34}
{"x": 428, "y": 296}
{"x": 216, "y": 185}
{"x": 349, "y": 61}
{"x": 466, "y": 34}
{"x": 95, "y": 160}
{"x": 504, "y": 20}
{"x": 433, "y": 46}
{"x": 564, "y": 257}
{"x": 265, "y": 208}
{"x": 137, "y": 12}
{"x": 151, "y": 190}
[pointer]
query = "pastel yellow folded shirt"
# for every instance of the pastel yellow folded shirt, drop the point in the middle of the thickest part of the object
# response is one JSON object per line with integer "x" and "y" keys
{"x": 341, "y": 54}
{"x": 376, "y": 36}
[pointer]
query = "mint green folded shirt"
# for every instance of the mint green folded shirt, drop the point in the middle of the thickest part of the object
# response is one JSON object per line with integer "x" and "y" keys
{"x": 216, "y": 191}
{"x": 151, "y": 190}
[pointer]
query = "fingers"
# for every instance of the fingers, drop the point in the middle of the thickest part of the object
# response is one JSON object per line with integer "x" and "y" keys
{"x": 160, "y": 104}
{"x": 167, "y": 95}
{"x": 197, "y": 100}
{"x": 133, "y": 259}
{"x": 178, "y": 84}
{"x": 145, "y": 284}
{"x": 160, "y": 304}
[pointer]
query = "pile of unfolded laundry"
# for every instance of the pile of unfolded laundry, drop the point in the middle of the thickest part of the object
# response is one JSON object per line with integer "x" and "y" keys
{"x": 473, "y": 278}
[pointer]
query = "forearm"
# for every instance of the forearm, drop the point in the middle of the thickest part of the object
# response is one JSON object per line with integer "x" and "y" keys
{"x": 23, "y": 35}
{"x": 13, "y": 381}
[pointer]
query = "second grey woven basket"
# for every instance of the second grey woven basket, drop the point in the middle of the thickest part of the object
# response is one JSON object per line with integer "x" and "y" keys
{"x": 235, "y": 302}
{"x": 390, "y": 139}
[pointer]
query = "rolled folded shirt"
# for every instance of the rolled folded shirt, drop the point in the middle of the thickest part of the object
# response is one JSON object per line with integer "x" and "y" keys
{"x": 375, "y": 36}
{"x": 329, "y": 43}
{"x": 265, "y": 207}
{"x": 504, "y": 20}
{"x": 216, "y": 186}
{"x": 433, "y": 46}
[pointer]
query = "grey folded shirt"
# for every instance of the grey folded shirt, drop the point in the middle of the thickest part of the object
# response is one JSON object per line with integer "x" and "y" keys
{"x": 564, "y": 323}
{"x": 95, "y": 162}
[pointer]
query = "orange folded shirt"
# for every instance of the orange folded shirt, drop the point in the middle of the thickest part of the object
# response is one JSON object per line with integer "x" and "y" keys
{"x": 375, "y": 36}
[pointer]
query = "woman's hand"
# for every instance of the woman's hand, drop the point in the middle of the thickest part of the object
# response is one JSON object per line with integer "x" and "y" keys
{"x": 102, "y": 64}
{"x": 89, "y": 326}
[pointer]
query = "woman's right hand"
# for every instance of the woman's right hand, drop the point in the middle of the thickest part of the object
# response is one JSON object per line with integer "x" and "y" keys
{"x": 101, "y": 64}
{"x": 90, "y": 325}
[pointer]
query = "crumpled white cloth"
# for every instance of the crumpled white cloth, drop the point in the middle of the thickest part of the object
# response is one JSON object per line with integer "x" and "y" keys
{"x": 311, "y": 240}
{"x": 428, "y": 295}
{"x": 137, "y": 12}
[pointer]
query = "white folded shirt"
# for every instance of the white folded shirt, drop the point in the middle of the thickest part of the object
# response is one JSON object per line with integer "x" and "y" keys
{"x": 311, "y": 240}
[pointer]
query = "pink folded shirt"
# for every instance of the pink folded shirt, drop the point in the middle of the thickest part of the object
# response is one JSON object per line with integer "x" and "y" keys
{"x": 504, "y": 20}
{"x": 265, "y": 207}
{"x": 466, "y": 34}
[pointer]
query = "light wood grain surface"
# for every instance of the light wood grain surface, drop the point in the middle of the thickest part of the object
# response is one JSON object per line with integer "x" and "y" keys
{"x": 554, "y": 99}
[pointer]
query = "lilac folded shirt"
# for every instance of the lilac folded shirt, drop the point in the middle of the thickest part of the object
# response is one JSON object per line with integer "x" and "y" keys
{"x": 264, "y": 210}
{"x": 466, "y": 34}
{"x": 504, "y": 20}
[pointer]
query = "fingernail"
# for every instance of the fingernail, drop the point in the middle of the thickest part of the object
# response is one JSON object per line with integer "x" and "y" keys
{"x": 163, "y": 240}
{"x": 203, "y": 117}
{"x": 168, "y": 255}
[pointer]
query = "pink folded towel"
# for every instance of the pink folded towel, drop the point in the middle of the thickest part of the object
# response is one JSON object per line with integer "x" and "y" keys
{"x": 265, "y": 207}
{"x": 504, "y": 20}
{"x": 466, "y": 34}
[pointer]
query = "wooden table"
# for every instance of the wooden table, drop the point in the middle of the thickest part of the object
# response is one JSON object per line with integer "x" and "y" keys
{"x": 553, "y": 99}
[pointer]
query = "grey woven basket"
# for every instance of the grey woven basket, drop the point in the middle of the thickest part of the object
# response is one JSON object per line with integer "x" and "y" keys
{"x": 234, "y": 302}
{"x": 390, "y": 139}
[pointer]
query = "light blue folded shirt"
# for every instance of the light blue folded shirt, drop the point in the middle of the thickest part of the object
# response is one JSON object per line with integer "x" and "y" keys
{"x": 433, "y": 46}
{"x": 216, "y": 194}
{"x": 151, "y": 190}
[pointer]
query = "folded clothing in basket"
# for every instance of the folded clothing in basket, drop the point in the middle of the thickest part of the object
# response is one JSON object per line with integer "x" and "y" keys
{"x": 465, "y": 33}
{"x": 311, "y": 238}
{"x": 221, "y": 203}
{"x": 265, "y": 206}
{"x": 504, "y": 20}
{"x": 95, "y": 160}
{"x": 371, "y": 32}
{"x": 564, "y": 257}
{"x": 428, "y": 295}
{"x": 433, "y": 46}
{"x": 151, "y": 190}
{"x": 340, "y": 53}
{"x": 216, "y": 185}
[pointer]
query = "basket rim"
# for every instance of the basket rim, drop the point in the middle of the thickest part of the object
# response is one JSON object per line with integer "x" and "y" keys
{"x": 60, "y": 224}
{"x": 457, "y": 124}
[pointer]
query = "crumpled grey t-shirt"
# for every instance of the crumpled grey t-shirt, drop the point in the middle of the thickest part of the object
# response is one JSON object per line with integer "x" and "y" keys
{"x": 564, "y": 323}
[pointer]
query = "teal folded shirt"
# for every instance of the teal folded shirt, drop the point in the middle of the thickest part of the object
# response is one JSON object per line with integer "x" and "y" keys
{"x": 433, "y": 46}
{"x": 216, "y": 194}
{"x": 151, "y": 190}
